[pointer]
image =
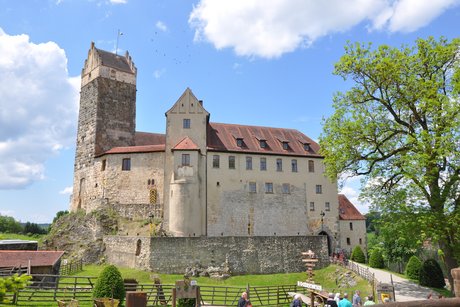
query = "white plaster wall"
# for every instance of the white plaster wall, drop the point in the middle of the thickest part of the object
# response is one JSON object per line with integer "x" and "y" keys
{"x": 358, "y": 232}
{"x": 231, "y": 207}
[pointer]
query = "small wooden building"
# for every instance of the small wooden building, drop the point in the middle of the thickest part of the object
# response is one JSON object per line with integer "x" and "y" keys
{"x": 32, "y": 262}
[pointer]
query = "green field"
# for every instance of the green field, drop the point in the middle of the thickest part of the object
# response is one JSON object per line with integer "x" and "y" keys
{"x": 15, "y": 236}
{"x": 325, "y": 277}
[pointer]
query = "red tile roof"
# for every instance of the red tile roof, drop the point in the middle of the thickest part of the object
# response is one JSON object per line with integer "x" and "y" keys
{"x": 135, "y": 149}
{"x": 146, "y": 138}
{"x": 186, "y": 144}
{"x": 222, "y": 137}
{"x": 347, "y": 211}
{"x": 10, "y": 258}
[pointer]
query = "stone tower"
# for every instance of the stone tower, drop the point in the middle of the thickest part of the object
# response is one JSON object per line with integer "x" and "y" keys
{"x": 185, "y": 167}
{"x": 106, "y": 118}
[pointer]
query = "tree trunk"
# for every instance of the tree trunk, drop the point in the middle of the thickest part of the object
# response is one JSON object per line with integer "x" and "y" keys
{"x": 449, "y": 261}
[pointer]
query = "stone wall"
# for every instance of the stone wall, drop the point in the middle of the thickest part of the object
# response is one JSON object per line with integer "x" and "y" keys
{"x": 243, "y": 255}
{"x": 137, "y": 211}
{"x": 132, "y": 252}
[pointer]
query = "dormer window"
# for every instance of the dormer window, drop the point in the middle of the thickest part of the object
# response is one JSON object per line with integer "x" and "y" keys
{"x": 239, "y": 142}
{"x": 306, "y": 146}
{"x": 263, "y": 143}
{"x": 285, "y": 145}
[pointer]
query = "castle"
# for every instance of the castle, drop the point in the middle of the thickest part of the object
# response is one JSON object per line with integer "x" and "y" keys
{"x": 202, "y": 179}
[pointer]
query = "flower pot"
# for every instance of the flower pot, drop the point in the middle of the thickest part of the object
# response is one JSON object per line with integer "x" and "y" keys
{"x": 106, "y": 302}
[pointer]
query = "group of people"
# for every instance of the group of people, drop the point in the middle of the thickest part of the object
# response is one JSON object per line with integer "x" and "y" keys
{"x": 339, "y": 300}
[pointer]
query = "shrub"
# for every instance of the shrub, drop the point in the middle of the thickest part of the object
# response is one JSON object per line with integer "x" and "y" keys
{"x": 109, "y": 284}
{"x": 413, "y": 268}
{"x": 431, "y": 274}
{"x": 376, "y": 259}
{"x": 358, "y": 255}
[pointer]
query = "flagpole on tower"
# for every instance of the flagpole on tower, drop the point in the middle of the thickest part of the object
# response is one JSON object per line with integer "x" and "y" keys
{"x": 118, "y": 38}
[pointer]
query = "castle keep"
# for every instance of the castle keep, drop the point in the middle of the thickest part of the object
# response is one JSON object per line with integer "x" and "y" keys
{"x": 201, "y": 179}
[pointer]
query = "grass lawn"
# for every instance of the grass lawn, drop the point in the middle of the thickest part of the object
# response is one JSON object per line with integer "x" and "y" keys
{"x": 15, "y": 236}
{"x": 325, "y": 277}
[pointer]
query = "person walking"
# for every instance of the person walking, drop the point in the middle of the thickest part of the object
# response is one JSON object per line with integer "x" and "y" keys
{"x": 345, "y": 302}
{"x": 357, "y": 302}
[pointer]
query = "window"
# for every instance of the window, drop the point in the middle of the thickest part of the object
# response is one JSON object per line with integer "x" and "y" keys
{"x": 263, "y": 143}
{"x": 263, "y": 164}
{"x": 351, "y": 226}
{"x": 239, "y": 142}
{"x": 306, "y": 146}
{"x": 186, "y": 123}
{"x": 285, "y": 145}
{"x": 216, "y": 161}
{"x": 311, "y": 166}
{"x": 279, "y": 165}
{"x": 312, "y": 206}
{"x": 185, "y": 159}
{"x": 294, "y": 166}
{"x": 327, "y": 206}
{"x": 268, "y": 187}
{"x": 319, "y": 189}
{"x": 286, "y": 188}
{"x": 126, "y": 164}
{"x": 348, "y": 241}
{"x": 252, "y": 187}
{"x": 360, "y": 241}
{"x": 249, "y": 163}
{"x": 231, "y": 162}
{"x": 104, "y": 164}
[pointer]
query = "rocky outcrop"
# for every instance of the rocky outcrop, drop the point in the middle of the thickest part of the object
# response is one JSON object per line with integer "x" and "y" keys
{"x": 80, "y": 235}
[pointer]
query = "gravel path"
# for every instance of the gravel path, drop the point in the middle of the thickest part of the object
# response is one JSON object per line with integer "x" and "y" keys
{"x": 405, "y": 290}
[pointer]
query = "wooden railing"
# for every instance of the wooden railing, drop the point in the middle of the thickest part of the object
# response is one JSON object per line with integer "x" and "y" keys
{"x": 50, "y": 288}
{"x": 71, "y": 267}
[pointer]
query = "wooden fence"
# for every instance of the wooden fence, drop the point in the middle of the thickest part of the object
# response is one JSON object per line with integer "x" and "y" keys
{"x": 71, "y": 267}
{"x": 365, "y": 273}
{"x": 47, "y": 289}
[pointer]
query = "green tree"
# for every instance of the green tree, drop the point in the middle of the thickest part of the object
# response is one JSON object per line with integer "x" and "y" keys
{"x": 399, "y": 127}
{"x": 376, "y": 259}
{"x": 9, "y": 224}
{"x": 109, "y": 284}
{"x": 430, "y": 274}
{"x": 413, "y": 268}
{"x": 358, "y": 255}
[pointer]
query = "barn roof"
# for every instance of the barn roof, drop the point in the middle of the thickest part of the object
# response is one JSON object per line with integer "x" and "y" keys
{"x": 15, "y": 258}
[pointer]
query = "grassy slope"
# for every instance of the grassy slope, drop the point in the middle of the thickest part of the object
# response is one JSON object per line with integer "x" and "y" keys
{"x": 326, "y": 277}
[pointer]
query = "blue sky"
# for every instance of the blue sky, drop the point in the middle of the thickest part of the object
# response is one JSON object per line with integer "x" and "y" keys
{"x": 266, "y": 63}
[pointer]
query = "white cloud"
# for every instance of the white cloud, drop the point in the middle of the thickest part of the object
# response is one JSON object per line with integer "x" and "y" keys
{"x": 410, "y": 15}
{"x": 158, "y": 73}
{"x": 161, "y": 26}
{"x": 118, "y": 1}
{"x": 38, "y": 108}
{"x": 66, "y": 191}
{"x": 269, "y": 29}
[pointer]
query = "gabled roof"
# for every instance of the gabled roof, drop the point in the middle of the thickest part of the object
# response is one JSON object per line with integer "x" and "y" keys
{"x": 186, "y": 144}
{"x": 115, "y": 61}
{"x": 10, "y": 258}
{"x": 222, "y": 137}
{"x": 347, "y": 211}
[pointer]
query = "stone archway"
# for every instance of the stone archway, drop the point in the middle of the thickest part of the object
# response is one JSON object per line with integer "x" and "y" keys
{"x": 329, "y": 243}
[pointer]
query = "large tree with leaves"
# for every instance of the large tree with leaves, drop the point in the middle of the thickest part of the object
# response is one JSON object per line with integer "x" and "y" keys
{"x": 399, "y": 127}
